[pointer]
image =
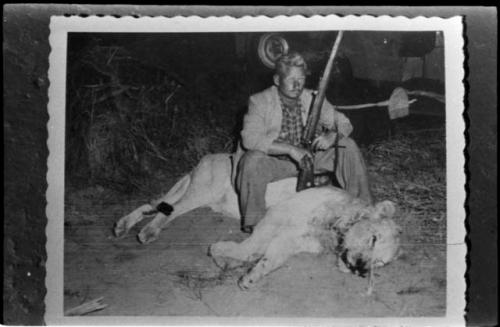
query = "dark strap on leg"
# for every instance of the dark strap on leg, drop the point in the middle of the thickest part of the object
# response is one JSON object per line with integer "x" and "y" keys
{"x": 165, "y": 208}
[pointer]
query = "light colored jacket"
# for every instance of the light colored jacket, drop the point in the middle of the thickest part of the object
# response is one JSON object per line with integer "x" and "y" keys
{"x": 262, "y": 122}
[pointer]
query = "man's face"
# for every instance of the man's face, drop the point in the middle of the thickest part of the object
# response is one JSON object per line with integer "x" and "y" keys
{"x": 291, "y": 82}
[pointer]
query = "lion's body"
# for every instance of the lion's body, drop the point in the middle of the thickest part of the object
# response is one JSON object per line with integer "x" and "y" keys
{"x": 294, "y": 222}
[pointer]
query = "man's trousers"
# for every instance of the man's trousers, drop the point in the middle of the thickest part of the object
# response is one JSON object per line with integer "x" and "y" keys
{"x": 256, "y": 169}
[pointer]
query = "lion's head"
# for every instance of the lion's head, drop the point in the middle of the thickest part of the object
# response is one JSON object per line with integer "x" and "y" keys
{"x": 373, "y": 240}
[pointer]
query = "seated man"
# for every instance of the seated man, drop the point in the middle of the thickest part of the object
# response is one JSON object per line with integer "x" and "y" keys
{"x": 271, "y": 135}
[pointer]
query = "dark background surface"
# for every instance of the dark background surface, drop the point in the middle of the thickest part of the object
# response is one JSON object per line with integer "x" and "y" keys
{"x": 26, "y": 51}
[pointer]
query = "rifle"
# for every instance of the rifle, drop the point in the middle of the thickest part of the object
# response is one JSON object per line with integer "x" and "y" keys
{"x": 306, "y": 166}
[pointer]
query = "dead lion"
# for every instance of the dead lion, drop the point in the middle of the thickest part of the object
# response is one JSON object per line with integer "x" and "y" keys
{"x": 317, "y": 219}
{"x": 313, "y": 220}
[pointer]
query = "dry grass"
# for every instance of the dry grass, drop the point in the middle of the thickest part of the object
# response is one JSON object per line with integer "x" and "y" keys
{"x": 409, "y": 169}
{"x": 126, "y": 127}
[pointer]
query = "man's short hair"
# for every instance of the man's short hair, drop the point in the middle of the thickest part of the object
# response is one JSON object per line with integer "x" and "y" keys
{"x": 292, "y": 59}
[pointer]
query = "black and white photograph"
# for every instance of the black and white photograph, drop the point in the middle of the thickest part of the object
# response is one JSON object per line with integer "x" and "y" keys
{"x": 256, "y": 170}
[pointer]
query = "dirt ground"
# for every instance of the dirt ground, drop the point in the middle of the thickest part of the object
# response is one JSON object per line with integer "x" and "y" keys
{"x": 174, "y": 276}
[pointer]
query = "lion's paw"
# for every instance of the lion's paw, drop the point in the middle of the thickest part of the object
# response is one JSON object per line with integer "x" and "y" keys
{"x": 342, "y": 266}
{"x": 148, "y": 234}
{"x": 120, "y": 229}
{"x": 245, "y": 283}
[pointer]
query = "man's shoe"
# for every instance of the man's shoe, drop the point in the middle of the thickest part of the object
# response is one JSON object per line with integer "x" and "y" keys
{"x": 247, "y": 229}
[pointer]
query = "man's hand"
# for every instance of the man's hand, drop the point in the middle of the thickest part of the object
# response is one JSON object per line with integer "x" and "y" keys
{"x": 297, "y": 153}
{"x": 324, "y": 141}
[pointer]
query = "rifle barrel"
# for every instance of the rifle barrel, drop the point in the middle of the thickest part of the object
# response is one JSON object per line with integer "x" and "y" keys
{"x": 319, "y": 97}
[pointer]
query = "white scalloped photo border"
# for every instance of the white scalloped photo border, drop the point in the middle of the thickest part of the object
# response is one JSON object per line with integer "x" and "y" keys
{"x": 452, "y": 29}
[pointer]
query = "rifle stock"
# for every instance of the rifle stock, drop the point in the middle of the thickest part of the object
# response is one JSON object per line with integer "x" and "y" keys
{"x": 306, "y": 174}
{"x": 306, "y": 166}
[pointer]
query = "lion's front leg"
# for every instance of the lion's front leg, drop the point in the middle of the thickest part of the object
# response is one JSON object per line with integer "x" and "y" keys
{"x": 249, "y": 250}
{"x": 231, "y": 254}
{"x": 279, "y": 250}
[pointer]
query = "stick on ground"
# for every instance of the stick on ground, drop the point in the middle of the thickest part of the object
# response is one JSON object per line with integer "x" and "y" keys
{"x": 87, "y": 307}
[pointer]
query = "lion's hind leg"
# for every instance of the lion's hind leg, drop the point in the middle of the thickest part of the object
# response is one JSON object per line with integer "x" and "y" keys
{"x": 208, "y": 184}
{"x": 125, "y": 223}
